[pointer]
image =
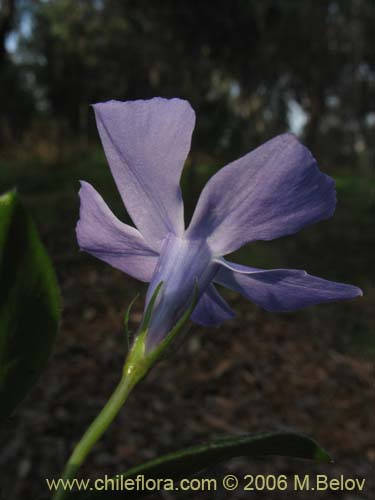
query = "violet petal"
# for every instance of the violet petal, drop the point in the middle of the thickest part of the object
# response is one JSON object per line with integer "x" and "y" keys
{"x": 280, "y": 290}
{"x": 146, "y": 144}
{"x": 212, "y": 309}
{"x": 102, "y": 235}
{"x": 273, "y": 191}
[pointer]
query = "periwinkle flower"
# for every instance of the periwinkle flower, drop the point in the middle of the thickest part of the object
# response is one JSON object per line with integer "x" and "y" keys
{"x": 273, "y": 191}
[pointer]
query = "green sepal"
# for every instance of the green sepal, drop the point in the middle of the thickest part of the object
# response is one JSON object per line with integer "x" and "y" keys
{"x": 140, "y": 359}
{"x": 126, "y": 322}
{"x": 150, "y": 307}
{"x": 162, "y": 347}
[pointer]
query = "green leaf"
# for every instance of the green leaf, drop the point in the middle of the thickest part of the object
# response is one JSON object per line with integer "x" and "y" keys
{"x": 29, "y": 304}
{"x": 192, "y": 460}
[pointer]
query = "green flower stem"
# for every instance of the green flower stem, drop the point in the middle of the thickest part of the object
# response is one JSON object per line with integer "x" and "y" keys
{"x": 135, "y": 368}
{"x": 138, "y": 362}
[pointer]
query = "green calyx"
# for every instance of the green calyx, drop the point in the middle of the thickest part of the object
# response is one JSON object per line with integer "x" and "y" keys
{"x": 140, "y": 359}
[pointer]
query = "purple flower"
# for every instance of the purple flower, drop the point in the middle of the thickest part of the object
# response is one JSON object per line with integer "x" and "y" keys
{"x": 275, "y": 190}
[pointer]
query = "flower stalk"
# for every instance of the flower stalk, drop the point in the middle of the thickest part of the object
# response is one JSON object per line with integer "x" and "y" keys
{"x": 132, "y": 374}
{"x": 138, "y": 363}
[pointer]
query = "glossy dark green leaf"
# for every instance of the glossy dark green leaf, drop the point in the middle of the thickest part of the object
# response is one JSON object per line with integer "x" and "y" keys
{"x": 192, "y": 460}
{"x": 29, "y": 304}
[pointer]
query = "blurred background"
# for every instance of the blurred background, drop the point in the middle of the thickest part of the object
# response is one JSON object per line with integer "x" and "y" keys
{"x": 251, "y": 70}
